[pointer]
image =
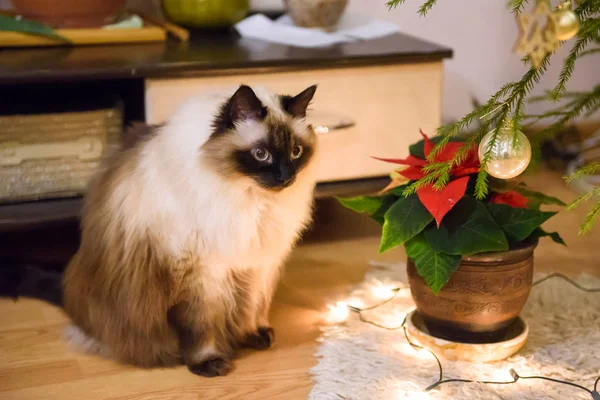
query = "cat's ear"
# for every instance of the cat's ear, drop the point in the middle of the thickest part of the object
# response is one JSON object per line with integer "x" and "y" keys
{"x": 297, "y": 105}
{"x": 244, "y": 105}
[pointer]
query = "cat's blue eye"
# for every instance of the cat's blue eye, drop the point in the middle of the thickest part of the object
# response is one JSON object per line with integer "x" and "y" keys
{"x": 297, "y": 152}
{"x": 261, "y": 155}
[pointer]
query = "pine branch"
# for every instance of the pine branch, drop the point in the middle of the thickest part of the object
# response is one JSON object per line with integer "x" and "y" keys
{"x": 586, "y": 170}
{"x": 394, "y": 3}
{"x": 588, "y": 52}
{"x": 560, "y": 111}
{"x": 581, "y": 199}
{"x": 588, "y": 31}
{"x": 517, "y": 6}
{"x": 481, "y": 185}
{"x": 587, "y": 102}
{"x": 587, "y": 8}
{"x": 547, "y": 96}
{"x": 424, "y": 9}
{"x": 452, "y": 130}
{"x": 590, "y": 219}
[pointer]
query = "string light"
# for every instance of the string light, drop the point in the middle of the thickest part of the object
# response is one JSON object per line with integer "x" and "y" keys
{"x": 339, "y": 312}
{"x": 595, "y": 395}
{"x": 382, "y": 291}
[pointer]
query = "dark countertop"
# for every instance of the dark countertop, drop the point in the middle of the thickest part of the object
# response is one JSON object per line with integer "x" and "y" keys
{"x": 205, "y": 54}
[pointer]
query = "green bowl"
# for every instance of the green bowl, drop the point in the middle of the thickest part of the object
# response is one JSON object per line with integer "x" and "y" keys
{"x": 205, "y": 13}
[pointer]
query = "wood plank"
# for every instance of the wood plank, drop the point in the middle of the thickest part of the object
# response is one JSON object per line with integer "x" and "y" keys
{"x": 40, "y": 374}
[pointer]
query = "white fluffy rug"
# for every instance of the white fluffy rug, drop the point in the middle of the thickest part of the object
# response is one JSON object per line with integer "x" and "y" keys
{"x": 360, "y": 361}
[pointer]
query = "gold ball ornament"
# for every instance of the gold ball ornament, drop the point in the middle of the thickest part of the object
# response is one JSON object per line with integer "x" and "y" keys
{"x": 567, "y": 22}
{"x": 509, "y": 156}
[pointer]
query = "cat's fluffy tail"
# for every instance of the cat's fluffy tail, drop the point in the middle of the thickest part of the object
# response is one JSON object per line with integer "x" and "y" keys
{"x": 30, "y": 280}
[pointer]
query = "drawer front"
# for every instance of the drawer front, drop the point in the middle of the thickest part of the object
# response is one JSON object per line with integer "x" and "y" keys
{"x": 386, "y": 105}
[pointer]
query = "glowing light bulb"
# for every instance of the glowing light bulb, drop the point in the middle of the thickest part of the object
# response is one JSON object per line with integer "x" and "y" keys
{"x": 356, "y": 302}
{"x": 338, "y": 313}
{"x": 382, "y": 291}
{"x": 417, "y": 396}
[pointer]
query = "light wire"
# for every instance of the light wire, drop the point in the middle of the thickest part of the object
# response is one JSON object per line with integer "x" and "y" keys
{"x": 594, "y": 393}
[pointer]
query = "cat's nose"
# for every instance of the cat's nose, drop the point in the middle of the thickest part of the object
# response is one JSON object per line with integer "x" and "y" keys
{"x": 285, "y": 176}
{"x": 285, "y": 180}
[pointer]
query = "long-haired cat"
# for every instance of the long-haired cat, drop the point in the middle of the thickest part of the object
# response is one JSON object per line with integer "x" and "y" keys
{"x": 184, "y": 234}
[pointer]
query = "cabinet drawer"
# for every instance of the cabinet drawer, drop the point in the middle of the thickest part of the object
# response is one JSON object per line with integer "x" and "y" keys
{"x": 387, "y": 105}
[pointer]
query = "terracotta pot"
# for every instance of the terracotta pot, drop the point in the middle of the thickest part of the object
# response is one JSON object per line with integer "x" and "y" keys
{"x": 323, "y": 14}
{"x": 70, "y": 13}
{"x": 483, "y": 297}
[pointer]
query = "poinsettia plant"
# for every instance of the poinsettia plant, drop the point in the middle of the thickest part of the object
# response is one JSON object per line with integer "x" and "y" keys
{"x": 437, "y": 226}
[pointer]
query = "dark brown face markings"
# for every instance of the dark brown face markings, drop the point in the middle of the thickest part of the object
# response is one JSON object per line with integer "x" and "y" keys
{"x": 297, "y": 105}
{"x": 243, "y": 105}
{"x": 282, "y": 170}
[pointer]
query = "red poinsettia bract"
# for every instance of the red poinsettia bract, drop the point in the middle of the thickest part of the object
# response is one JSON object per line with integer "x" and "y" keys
{"x": 439, "y": 202}
{"x": 510, "y": 198}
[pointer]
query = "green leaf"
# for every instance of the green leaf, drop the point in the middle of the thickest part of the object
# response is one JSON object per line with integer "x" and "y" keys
{"x": 467, "y": 229}
{"x": 539, "y": 232}
{"x": 537, "y": 199}
{"x": 12, "y": 24}
{"x": 518, "y": 223}
{"x": 434, "y": 267}
{"x": 399, "y": 190}
{"x": 405, "y": 219}
{"x": 388, "y": 200}
{"x": 362, "y": 204}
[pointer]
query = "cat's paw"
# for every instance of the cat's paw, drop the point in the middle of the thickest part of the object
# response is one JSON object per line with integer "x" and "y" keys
{"x": 262, "y": 339}
{"x": 212, "y": 367}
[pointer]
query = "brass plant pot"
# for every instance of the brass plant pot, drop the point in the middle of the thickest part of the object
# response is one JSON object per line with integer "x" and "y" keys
{"x": 484, "y": 296}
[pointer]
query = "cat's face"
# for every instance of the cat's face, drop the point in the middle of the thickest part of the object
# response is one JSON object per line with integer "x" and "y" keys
{"x": 266, "y": 140}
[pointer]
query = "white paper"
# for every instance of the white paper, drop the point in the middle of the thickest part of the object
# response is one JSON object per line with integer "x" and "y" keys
{"x": 260, "y": 27}
{"x": 283, "y": 31}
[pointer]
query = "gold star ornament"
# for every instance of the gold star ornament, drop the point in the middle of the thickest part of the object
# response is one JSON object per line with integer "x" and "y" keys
{"x": 537, "y": 33}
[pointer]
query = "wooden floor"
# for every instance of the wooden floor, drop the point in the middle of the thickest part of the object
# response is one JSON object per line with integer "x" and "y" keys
{"x": 36, "y": 365}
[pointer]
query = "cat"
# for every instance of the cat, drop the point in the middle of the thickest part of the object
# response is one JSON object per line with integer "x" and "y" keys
{"x": 185, "y": 231}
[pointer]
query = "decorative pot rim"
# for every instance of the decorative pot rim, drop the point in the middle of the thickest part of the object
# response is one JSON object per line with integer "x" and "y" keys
{"x": 523, "y": 251}
{"x": 479, "y": 352}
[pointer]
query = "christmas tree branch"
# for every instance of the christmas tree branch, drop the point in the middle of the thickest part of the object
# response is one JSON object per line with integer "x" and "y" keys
{"x": 583, "y": 171}
{"x": 587, "y": 8}
{"x": 587, "y": 33}
{"x": 588, "y": 102}
{"x": 394, "y": 3}
{"x": 589, "y": 51}
{"x": 424, "y": 9}
{"x": 590, "y": 218}
{"x": 517, "y": 6}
